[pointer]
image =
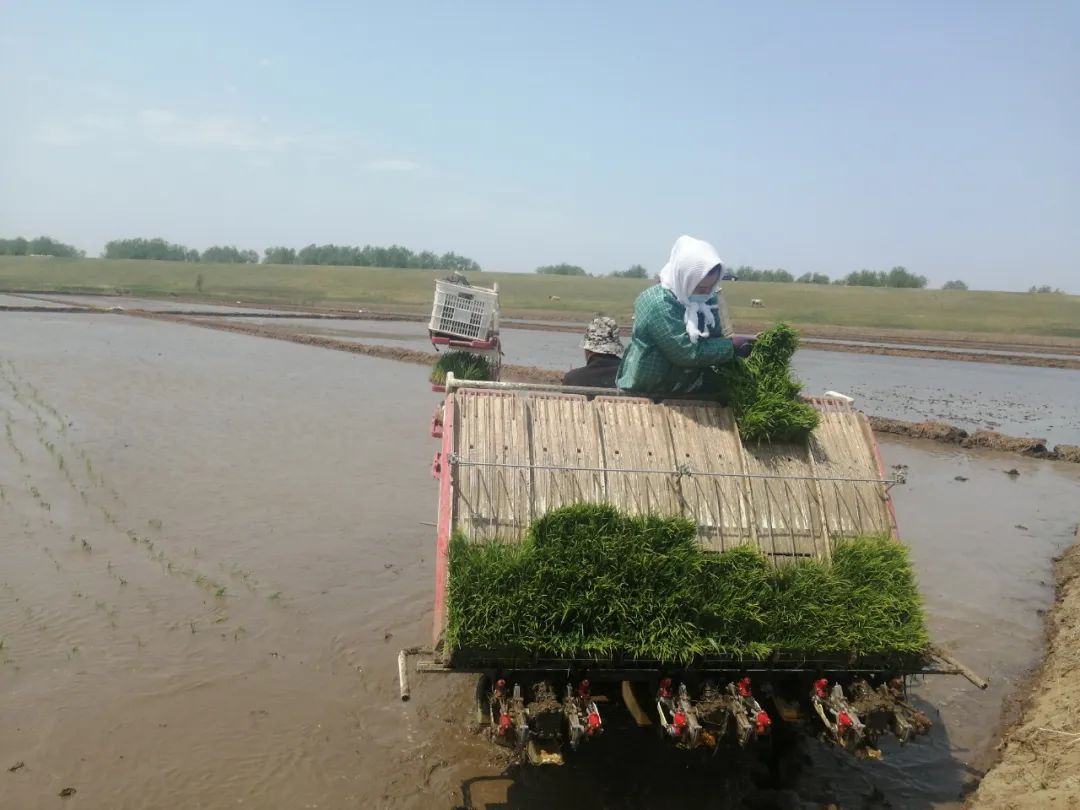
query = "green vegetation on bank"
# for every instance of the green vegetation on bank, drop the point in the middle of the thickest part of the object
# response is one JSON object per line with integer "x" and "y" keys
{"x": 529, "y": 294}
{"x": 588, "y": 581}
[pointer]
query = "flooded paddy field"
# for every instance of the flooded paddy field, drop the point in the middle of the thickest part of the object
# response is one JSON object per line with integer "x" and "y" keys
{"x": 8, "y": 300}
{"x": 134, "y": 302}
{"x": 213, "y": 546}
{"x": 1017, "y": 400}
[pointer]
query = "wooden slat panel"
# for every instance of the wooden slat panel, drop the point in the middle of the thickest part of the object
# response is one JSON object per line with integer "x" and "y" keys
{"x": 794, "y": 514}
{"x": 492, "y": 501}
{"x": 705, "y": 439}
{"x": 839, "y": 450}
{"x": 635, "y": 435}
{"x": 787, "y": 509}
{"x": 565, "y": 433}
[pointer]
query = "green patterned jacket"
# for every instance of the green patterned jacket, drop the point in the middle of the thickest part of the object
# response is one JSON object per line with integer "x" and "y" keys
{"x": 660, "y": 359}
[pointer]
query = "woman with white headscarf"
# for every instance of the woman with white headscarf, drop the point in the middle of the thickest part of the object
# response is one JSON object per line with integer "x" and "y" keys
{"x": 680, "y": 329}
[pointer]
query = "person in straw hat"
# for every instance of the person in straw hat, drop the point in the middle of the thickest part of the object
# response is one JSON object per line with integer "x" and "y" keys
{"x": 603, "y": 352}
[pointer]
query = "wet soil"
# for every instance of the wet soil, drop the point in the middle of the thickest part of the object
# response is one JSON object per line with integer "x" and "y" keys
{"x": 214, "y": 546}
{"x": 1040, "y": 755}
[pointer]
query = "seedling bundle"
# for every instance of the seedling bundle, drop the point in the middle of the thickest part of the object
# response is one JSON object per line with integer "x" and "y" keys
{"x": 763, "y": 393}
{"x": 464, "y": 365}
{"x": 589, "y": 582}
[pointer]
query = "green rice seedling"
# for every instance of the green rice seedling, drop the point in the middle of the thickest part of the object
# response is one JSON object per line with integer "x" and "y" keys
{"x": 464, "y": 365}
{"x": 590, "y": 582}
{"x": 211, "y": 586}
{"x": 763, "y": 393}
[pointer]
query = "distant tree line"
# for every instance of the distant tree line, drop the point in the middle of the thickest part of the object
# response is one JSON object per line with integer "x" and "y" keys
{"x": 747, "y": 273}
{"x": 402, "y": 257}
{"x": 370, "y": 256}
{"x": 897, "y": 277}
{"x": 634, "y": 271}
{"x": 1046, "y": 288}
{"x": 227, "y": 254}
{"x": 561, "y": 270}
{"x": 41, "y": 246}
{"x": 344, "y": 255}
{"x": 153, "y": 249}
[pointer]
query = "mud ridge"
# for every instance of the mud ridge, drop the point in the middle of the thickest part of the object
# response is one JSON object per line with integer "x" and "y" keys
{"x": 512, "y": 373}
{"x": 986, "y": 439}
{"x": 1039, "y": 763}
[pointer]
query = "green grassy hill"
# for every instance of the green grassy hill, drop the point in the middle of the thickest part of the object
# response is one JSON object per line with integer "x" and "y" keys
{"x": 529, "y": 294}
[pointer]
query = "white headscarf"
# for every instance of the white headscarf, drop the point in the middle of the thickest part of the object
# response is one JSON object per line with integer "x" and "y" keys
{"x": 691, "y": 260}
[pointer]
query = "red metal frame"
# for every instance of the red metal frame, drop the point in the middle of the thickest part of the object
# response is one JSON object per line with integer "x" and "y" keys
{"x": 444, "y": 521}
{"x": 479, "y": 345}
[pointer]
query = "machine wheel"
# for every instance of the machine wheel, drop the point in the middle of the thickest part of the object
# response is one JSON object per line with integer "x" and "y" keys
{"x": 483, "y": 701}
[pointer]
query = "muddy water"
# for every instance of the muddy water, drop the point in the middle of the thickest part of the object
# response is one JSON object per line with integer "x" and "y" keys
{"x": 1018, "y": 400}
{"x": 10, "y": 300}
{"x": 983, "y": 550}
{"x": 254, "y": 558}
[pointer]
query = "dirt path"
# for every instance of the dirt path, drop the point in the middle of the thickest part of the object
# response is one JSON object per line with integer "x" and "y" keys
{"x": 1040, "y": 755}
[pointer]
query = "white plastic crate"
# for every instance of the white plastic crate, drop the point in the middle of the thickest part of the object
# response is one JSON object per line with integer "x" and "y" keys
{"x": 463, "y": 312}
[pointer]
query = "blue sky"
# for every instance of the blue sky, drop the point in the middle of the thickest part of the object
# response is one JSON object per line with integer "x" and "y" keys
{"x": 826, "y": 137}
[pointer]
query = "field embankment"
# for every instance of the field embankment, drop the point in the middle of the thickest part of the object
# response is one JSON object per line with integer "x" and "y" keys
{"x": 1040, "y": 755}
{"x": 868, "y": 310}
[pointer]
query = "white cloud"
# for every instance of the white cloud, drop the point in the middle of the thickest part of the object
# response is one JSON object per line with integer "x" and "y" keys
{"x": 78, "y": 131}
{"x": 59, "y": 135}
{"x": 101, "y": 123}
{"x": 214, "y": 131}
{"x": 392, "y": 166}
{"x": 266, "y": 62}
